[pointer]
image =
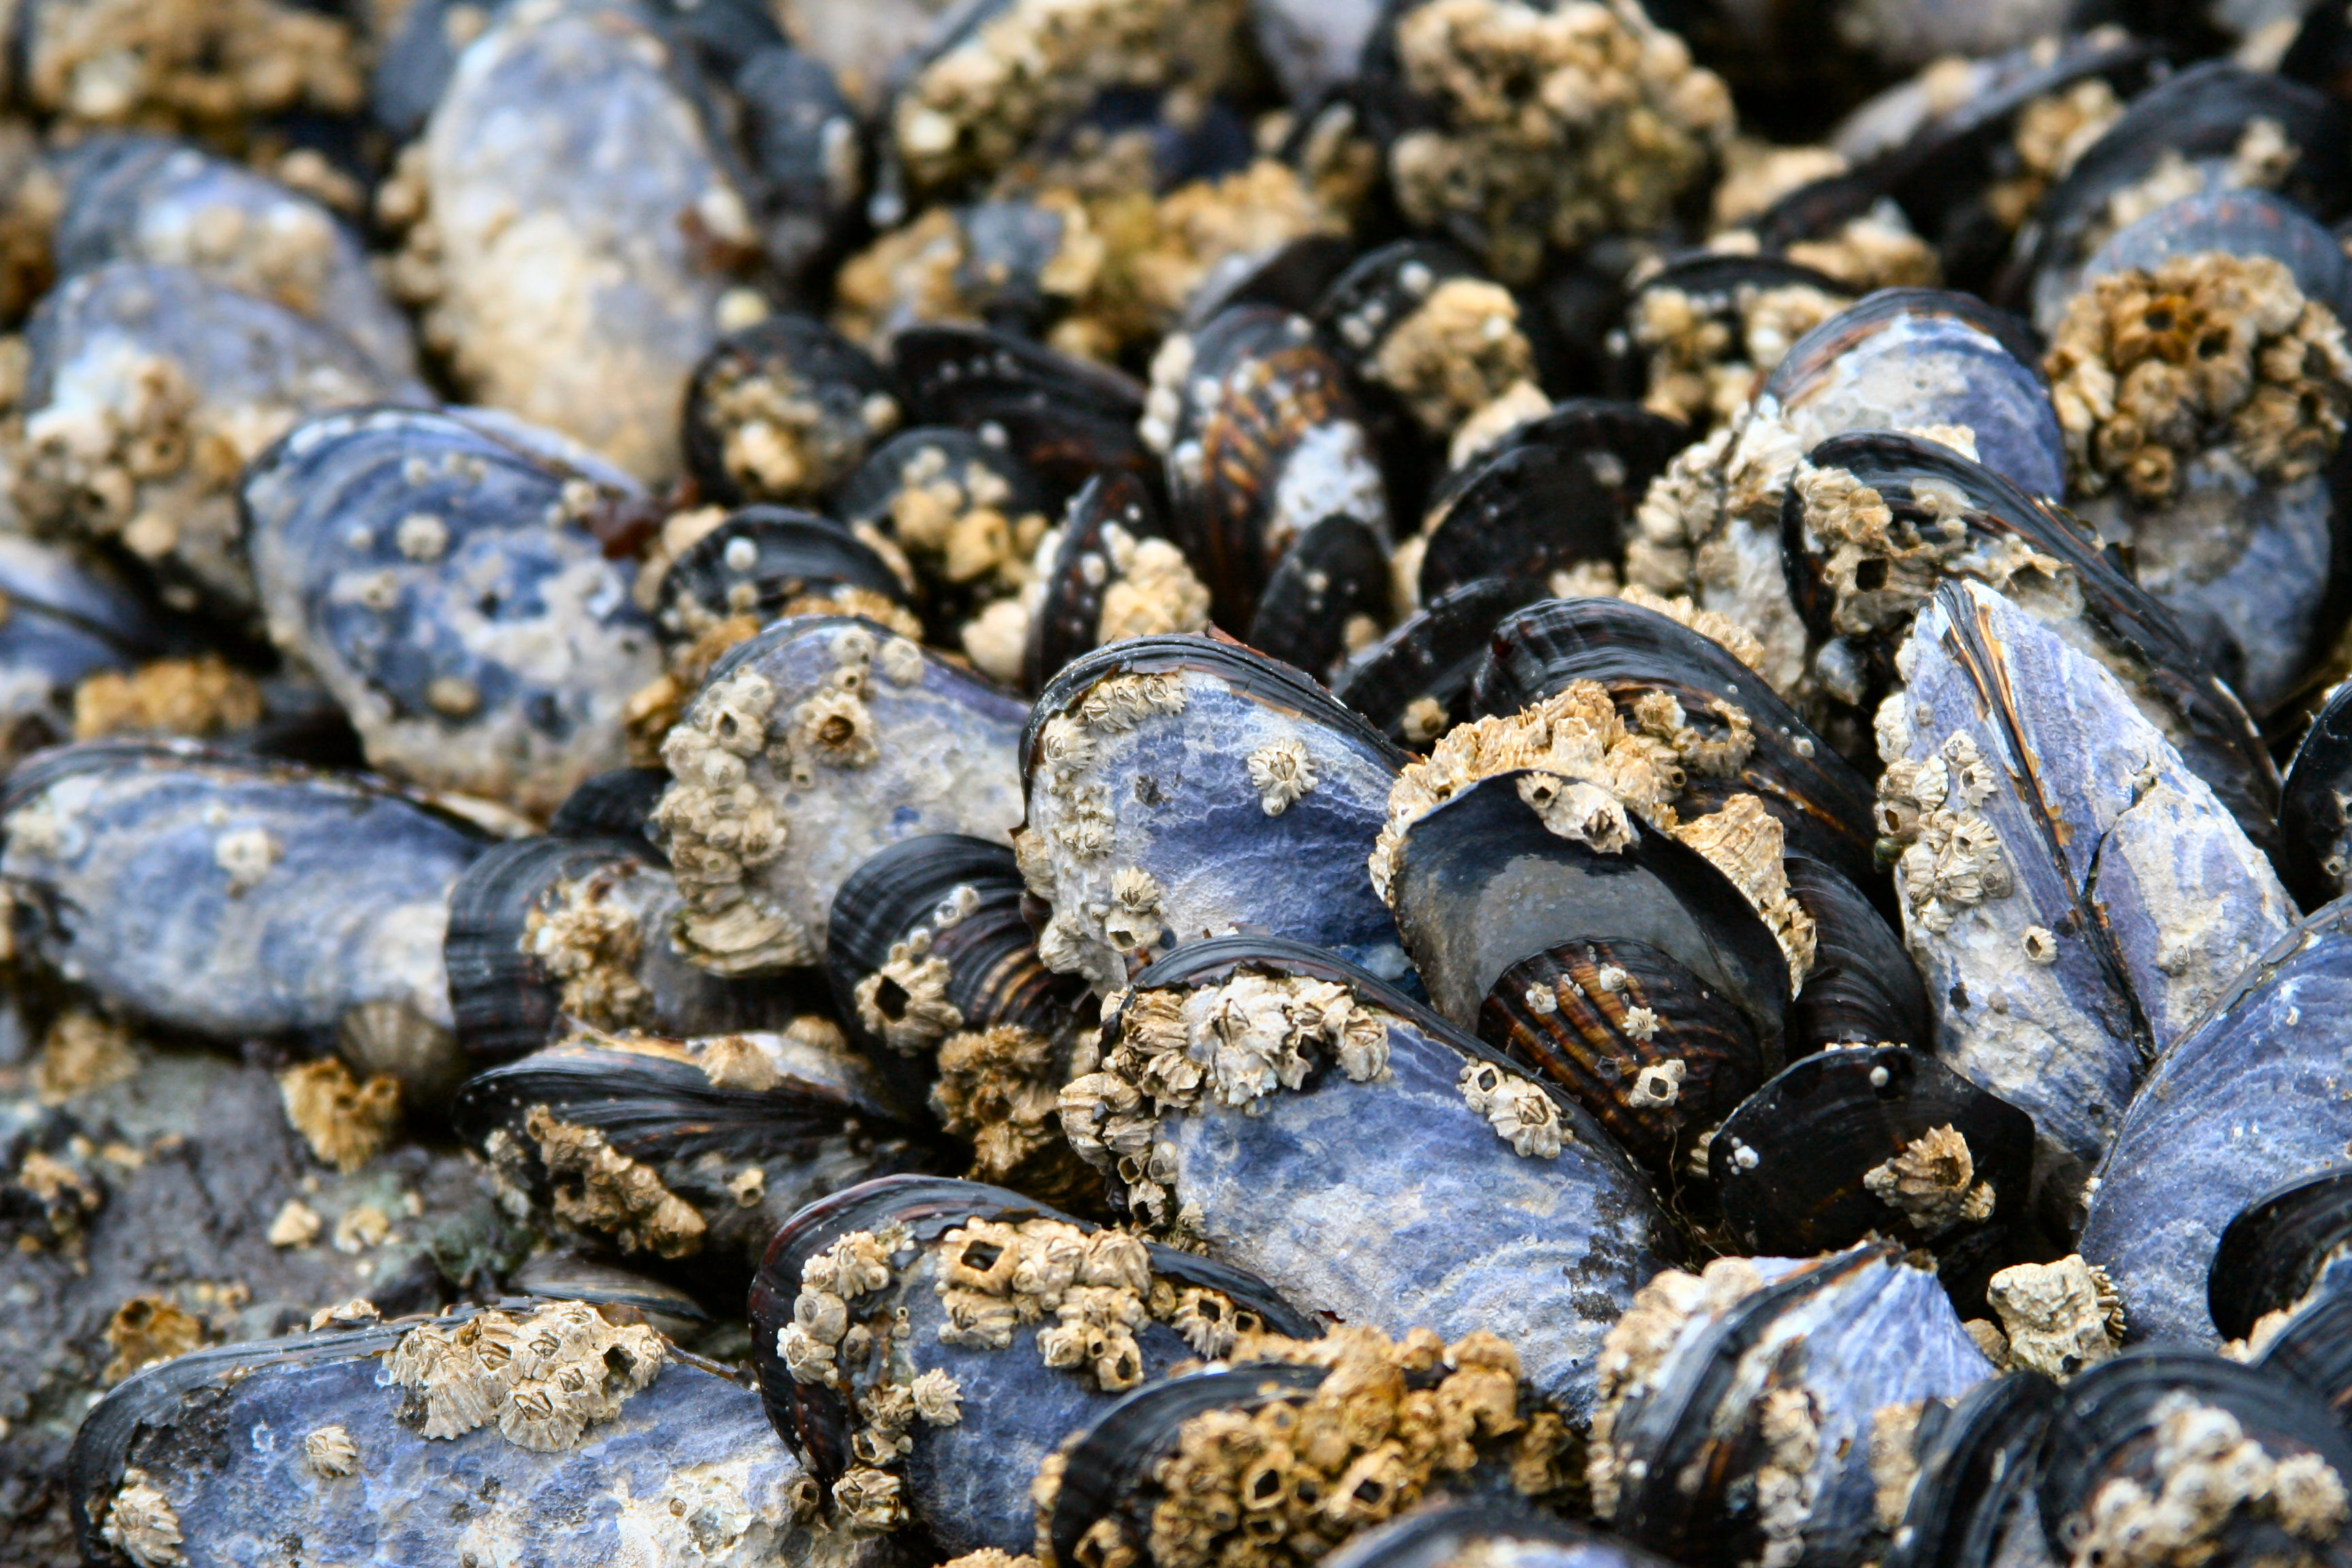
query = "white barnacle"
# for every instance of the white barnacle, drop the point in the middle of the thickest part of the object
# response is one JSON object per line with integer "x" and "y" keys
{"x": 331, "y": 1452}
{"x": 834, "y": 726}
{"x": 939, "y": 1401}
{"x": 2041, "y": 945}
{"x": 1281, "y": 772}
{"x": 1133, "y": 920}
{"x": 421, "y": 536}
{"x": 1640, "y": 1022}
{"x": 247, "y": 854}
{"x": 1659, "y": 1083}
{"x": 1521, "y": 1114}
{"x": 902, "y": 662}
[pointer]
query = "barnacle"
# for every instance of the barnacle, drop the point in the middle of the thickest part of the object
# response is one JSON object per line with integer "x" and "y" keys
{"x": 590, "y": 943}
{"x": 2208, "y": 1472}
{"x": 1702, "y": 368}
{"x": 1931, "y": 1181}
{"x": 197, "y": 696}
{"x": 541, "y": 1377}
{"x": 2058, "y": 1318}
{"x": 346, "y": 1122}
{"x": 600, "y": 1189}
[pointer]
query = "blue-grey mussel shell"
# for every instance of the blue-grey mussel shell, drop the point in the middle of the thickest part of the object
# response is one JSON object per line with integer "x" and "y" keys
{"x": 68, "y": 617}
{"x": 147, "y": 198}
{"x": 1292, "y": 1115}
{"x": 547, "y": 932}
{"x": 697, "y": 1148}
{"x": 816, "y": 743}
{"x": 1740, "y": 1408}
{"x": 446, "y": 582}
{"x": 539, "y": 1432}
{"x": 2247, "y": 1100}
{"x": 149, "y": 389}
{"x": 237, "y": 898}
{"x": 924, "y": 1344}
{"x": 2074, "y": 894}
{"x": 1180, "y": 788}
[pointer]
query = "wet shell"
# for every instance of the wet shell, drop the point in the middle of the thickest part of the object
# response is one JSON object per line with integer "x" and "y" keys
{"x": 1109, "y": 571}
{"x": 762, "y": 559}
{"x": 68, "y": 617}
{"x": 448, "y": 585}
{"x": 1415, "y": 683}
{"x": 1978, "y": 1460}
{"x": 782, "y": 411}
{"x": 2282, "y": 1249}
{"x": 1063, "y": 419}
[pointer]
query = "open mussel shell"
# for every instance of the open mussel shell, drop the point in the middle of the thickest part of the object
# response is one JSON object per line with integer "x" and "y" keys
{"x": 1263, "y": 441}
{"x": 1863, "y": 988}
{"x": 697, "y": 1148}
{"x": 1485, "y": 1529}
{"x": 1553, "y": 493}
{"x": 2059, "y": 868}
{"x": 1640, "y": 1042}
{"x": 1366, "y": 1157}
{"x": 1065, "y": 419}
{"x": 548, "y": 932}
{"x": 1180, "y": 787}
{"x": 2047, "y": 566}
{"x": 2238, "y": 1105}
{"x": 763, "y": 559}
{"x": 2275, "y": 1252}
{"x": 1415, "y": 683}
{"x": 2314, "y": 829}
{"x": 782, "y": 410}
{"x": 1871, "y": 1140}
{"x": 222, "y": 1456}
{"x": 111, "y": 462}
{"x": 1481, "y": 880}
{"x": 1978, "y": 1460}
{"x": 810, "y": 746}
{"x": 449, "y": 586}
{"x": 956, "y": 1290}
{"x": 1111, "y": 574}
{"x": 1768, "y": 1365}
{"x": 237, "y": 898}
{"x": 1821, "y": 803}
{"x": 2265, "y": 1460}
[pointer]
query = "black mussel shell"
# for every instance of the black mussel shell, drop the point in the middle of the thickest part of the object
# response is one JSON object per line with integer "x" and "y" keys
{"x": 2273, "y": 1253}
{"x": 572, "y": 1276}
{"x": 1065, "y": 419}
{"x": 1290, "y": 277}
{"x": 1327, "y": 595}
{"x": 782, "y": 410}
{"x": 760, "y": 561}
{"x": 1551, "y": 494}
{"x": 1718, "y": 287}
{"x": 503, "y": 1000}
{"x": 2314, "y": 831}
{"x": 1416, "y": 683}
{"x": 1481, "y": 882}
{"x": 1818, "y": 798}
{"x": 1979, "y": 1461}
{"x": 1068, "y": 618}
{"x": 1863, "y": 988}
{"x": 1440, "y": 1533}
{"x": 1642, "y": 1043}
{"x": 1845, "y": 1143}
{"x": 2110, "y": 1425}
{"x": 617, "y": 805}
{"x": 2315, "y": 1351}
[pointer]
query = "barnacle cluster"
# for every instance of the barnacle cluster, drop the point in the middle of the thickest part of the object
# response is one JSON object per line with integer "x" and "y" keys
{"x": 541, "y": 1377}
{"x": 1704, "y": 353}
{"x": 1952, "y": 858}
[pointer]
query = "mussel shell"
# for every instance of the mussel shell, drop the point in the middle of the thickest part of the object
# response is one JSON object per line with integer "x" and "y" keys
{"x": 761, "y": 559}
{"x": 2271, "y": 1254}
{"x": 2104, "y": 1428}
{"x": 1481, "y": 883}
{"x": 2238, "y": 222}
{"x": 1979, "y": 1460}
{"x": 1432, "y": 657}
{"x": 1580, "y": 1041}
{"x": 1065, "y": 419}
{"x": 1826, "y": 1120}
{"x": 2240, "y": 1104}
{"x": 2314, "y": 831}
{"x": 615, "y": 804}
{"x": 446, "y": 585}
{"x": 1551, "y": 493}
{"x": 2314, "y": 1351}
{"x": 1394, "y": 1203}
{"x": 832, "y": 384}
{"x": 67, "y": 619}
{"x": 1067, "y": 619}
{"x": 210, "y": 1430}
{"x": 1332, "y": 586}
{"x": 115, "y": 855}
{"x": 570, "y": 1277}
{"x": 1177, "y": 787}
{"x": 1820, "y": 801}
{"x": 1290, "y": 277}
{"x": 1716, "y": 286}
{"x": 1487, "y": 1530}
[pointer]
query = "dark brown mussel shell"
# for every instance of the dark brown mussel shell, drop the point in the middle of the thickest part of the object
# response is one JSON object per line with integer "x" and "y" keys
{"x": 1266, "y": 442}
{"x": 1816, "y": 796}
{"x": 1291, "y": 276}
{"x": 1553, "y": 492}
{"x": 1574, "y": 1014}
{"x": 762, "y": 558}
{"x": 566, "y": 1125}
{"x": 2277, "y": 1249}
{"x": 2112, "y": 1424}
{"x": 507, "y": 998}
{"x": 1329, "y": 595}
{"x": 1415, "y": 683}
{"x": 1065, "y": 419}
{"x": 2134, "y": 636}
{"x": 1979, "y": 1459}
{"x": 2315, "y": 831}
{"x": 1846, "y": 1143}
{"x": 823, "y": 399}
{"x": 1863, "y": 988}
{"x": 1016, "y": 1408}
{"x": 1481, "y": 883}
{"x": 1068, "y": 619}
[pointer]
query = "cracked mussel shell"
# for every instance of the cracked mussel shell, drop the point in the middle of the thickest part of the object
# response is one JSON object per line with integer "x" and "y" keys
{"x": 1768, "y": 1382}
{"x": 918, "y": 1340}
{"x": 666, "y": 1150}
{"x": 1292, "y": 1115}
{"x": 810, "y": 746}
{"x": 237, "y": 898}
{"x": 1180, "y": 787}
{"x": 1415, "y": 683}
{"x": 768, "y": 562}
{"x": 445, "y": 577}
{"x": 783, "y": 410}
{"x": 551, "y": 931}
{"x": 2134, "y": 1438}
{"x": 1872, "y": 1140}
{"x": 568, "y": 1435}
